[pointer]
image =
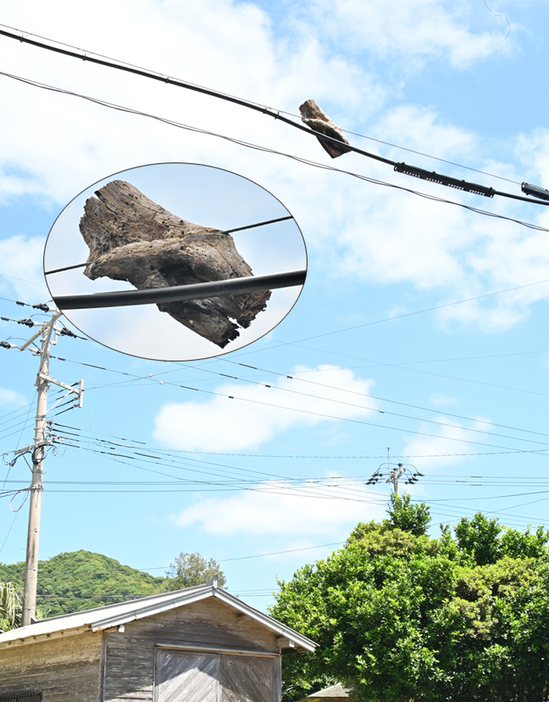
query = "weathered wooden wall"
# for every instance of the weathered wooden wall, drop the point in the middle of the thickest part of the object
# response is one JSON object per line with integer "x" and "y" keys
{"x": 208, "y": 677}
{"x": 130, "y": 655}
{"x": 123, "y": 665}
{"x": 64, "y": 669}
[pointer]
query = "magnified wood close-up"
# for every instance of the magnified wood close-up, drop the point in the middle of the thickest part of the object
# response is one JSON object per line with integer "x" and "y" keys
{"x": 134, "y": 239}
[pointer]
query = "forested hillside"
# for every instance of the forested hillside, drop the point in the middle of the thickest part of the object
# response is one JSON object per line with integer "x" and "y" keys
{"x": 80, "y": 580}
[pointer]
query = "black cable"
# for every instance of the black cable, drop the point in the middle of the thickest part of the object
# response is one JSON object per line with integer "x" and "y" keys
{"x": 145, "y": 73}
{"x": 69, "y": 268}
{"x": 226, "y": 231}
{"x": 375, "y": 397}
{"x": 258, "y": 224}
{"x": 369, "y": 396}
{"x": 380, "y": 411}
{"x": 265, "y": 149}
{"x": 41, "y": 306}
{"x": 351, "y": 420}
{"x": 276, "y": 114}
{"x": 178, "y": 293}
{"x": 346, "y": 131}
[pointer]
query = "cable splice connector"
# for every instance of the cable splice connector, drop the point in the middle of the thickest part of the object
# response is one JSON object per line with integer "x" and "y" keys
{"x": 445, "y": 180}
{"x": 535, "y": 191}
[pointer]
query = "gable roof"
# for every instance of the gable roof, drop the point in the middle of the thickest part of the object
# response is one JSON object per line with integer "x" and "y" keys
{"x": 115, "y": 615}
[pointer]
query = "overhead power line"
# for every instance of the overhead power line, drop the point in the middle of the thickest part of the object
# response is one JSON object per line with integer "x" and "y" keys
{"x": 316, "y": 456}
{"x": 225, "y": 231}
{"x": 355, "y": 420}
{"x": 107, "y": 62}
{"x": 179, "y": 293}
{"x": 376, "y": 409}
{"x": 296, "y": 378}
{"x": 540, "y": 195}
{"x": 293, "y": 157}
{"x": 369, "y": 396}
{"x": 346, "y": 131}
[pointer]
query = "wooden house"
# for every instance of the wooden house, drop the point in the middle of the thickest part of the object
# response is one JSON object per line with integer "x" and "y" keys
{"x": 200, "y": 644}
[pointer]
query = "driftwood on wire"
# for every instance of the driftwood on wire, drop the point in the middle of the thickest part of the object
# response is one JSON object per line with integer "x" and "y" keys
{"x": 318, "y": 121}
{"x": 132, "y": 238}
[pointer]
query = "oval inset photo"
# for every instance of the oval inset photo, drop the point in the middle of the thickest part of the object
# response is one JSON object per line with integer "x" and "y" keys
{"x": 175, "y": 261}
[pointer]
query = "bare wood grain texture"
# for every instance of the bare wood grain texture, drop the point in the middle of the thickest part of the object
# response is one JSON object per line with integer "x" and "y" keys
{"x": 132, "y": 238}
{"x": 187, "y": 677}
{"x": 194, "y": 677}
{"x": 247, "y": 679}
{"x": 116, "y": 666}
{"x": 64, "y": 669}
{"x": 318, "y": 121}
{"x": 130, "y": 655}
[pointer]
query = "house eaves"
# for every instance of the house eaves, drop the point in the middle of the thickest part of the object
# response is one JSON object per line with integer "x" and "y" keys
{"x": 115, "y": 615}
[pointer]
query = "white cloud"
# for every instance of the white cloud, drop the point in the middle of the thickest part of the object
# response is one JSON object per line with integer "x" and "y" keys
{"x": 11, "y": 398}
{"x": 395, "y": 238}
{"x": 361, "y": 230}
{"x": 278, "y": 507}
{"x": 415, "y": 30}
{"x": 21, "y": 267}
{"x": 533, "y": 150}
{"x": 259, "y": 412}
{"x": 445, "y": 449}
{"x": 420, "y": 128}
{"x": 440, "y": 400}
{"x": 74, "y": 143}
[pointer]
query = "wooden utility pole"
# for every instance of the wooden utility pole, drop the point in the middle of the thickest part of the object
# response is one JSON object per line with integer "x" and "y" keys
{"x": 394, "y": 476}
{"x": 38, "y": 451}
{"x": 41, "y": 440}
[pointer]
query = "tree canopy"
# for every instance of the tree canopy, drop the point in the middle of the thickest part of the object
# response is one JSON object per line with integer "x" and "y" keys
{"x": 402, "y": 617}
{"x": 191, "y": 569}
{"x": 11, "y": 598}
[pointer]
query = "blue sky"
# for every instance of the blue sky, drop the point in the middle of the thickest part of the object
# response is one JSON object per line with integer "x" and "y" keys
{"x": 422, "y": 325}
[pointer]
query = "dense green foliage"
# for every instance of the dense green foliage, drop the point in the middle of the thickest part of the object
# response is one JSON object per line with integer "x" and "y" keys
{"x": 192, "y": 569}
{"x": 400, "y": 617}
{"x": 81, "y": 580}
{"x": 11, "y": 598}
{"x": 402, "y": 515}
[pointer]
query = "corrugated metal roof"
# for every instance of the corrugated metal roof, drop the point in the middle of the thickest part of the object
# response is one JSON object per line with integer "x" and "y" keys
{"x": 117, "y": 614}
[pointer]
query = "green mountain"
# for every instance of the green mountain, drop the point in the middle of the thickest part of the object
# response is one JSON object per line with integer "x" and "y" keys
{"x": 79, "y": 580}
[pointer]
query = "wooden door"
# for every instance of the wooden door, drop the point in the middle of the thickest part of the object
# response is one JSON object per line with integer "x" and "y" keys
{"x": 186, "y": 677}
{"x": 211, "y": 677}
{"x": 247, "y": 679}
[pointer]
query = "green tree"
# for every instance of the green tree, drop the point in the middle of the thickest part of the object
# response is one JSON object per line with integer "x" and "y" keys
{"x": 11, "y": 599}
{"x": 486, "y": 540}
{"x": 406, "y": 516}
{"x": 191, "y": 569}
{"x": 401, "y": 617}
{"x": 480, "y": 537}
{"x": 402, "y": 515}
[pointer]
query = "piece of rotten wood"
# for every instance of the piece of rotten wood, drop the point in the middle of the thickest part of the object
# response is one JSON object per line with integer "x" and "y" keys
{"x": 132, "y": 238}
{"x": 318, "y": 121}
